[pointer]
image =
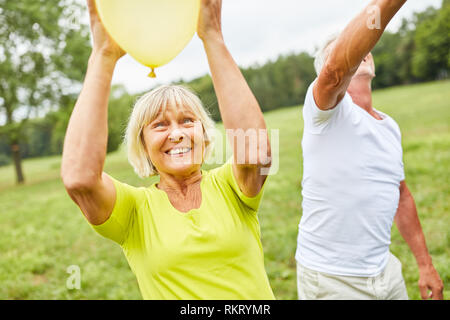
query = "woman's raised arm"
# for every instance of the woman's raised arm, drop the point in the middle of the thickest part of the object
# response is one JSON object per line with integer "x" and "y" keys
{"x": 240, "y": 111}
{"x": 87, "y": 133}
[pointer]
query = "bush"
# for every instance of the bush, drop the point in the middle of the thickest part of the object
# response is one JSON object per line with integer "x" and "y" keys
{"x": 4, "y": 160}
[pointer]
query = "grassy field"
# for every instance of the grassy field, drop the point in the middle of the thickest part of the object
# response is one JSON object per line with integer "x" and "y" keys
{"x": 42, "y": 232}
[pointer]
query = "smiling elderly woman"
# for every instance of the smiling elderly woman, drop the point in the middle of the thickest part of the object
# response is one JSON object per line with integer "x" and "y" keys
{"x": 148, "y": 127}
{"x": 194, "y": 234}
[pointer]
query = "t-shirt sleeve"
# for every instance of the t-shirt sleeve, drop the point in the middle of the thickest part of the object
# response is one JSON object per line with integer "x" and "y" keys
{"x": 225, "y": 173}
{"x": 402, "y": 166}
{"x": 318, "y": 121}
{"x": 402, "y": 173}
{"x": 121, "y": 219}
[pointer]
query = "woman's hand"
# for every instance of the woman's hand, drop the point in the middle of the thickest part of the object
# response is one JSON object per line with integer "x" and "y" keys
{"x": 103, "y": 43}
{"x": 209, "y": 25}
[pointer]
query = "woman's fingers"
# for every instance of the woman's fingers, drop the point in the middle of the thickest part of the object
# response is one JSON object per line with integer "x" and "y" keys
{"x": 92, "y": 7}
{"x": 93, "y": 14}
{"x": 210, "y": 18}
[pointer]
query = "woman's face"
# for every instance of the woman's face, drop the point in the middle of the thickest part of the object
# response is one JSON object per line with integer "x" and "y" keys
{"x": 175, "y": 142}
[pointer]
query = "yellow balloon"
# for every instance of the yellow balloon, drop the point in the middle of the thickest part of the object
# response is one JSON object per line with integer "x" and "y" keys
{"x": 152, "y": 31}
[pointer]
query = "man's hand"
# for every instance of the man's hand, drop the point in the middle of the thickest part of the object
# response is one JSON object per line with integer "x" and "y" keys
{"x": 103, "y": 43}
{"x": 209, "y": 22}
{"x": 429, "y": 280}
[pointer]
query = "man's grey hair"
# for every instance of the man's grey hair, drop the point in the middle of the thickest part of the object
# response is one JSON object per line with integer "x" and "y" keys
{"x": 324, "y": 51}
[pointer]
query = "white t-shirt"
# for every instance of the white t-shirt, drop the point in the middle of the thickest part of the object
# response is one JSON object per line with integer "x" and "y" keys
{"x": 352, "y": 169}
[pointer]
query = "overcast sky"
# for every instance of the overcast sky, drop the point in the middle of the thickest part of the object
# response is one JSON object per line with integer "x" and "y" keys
{"x": 256, "y": 31}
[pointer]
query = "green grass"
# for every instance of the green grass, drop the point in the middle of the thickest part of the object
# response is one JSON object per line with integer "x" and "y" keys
{"x": 42, "y": 232}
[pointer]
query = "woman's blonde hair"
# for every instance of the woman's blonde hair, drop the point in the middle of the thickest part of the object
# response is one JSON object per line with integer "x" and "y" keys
{"x": 147, "y": 109}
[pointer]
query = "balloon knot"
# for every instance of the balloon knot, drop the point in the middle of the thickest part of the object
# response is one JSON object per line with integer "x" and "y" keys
{"x": 152, "y": 73}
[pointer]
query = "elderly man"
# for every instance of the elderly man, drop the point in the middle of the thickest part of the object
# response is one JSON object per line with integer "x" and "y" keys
{"x": 354, "y": 184}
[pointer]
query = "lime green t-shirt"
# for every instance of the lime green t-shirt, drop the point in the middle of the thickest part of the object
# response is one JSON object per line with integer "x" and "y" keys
{"x": 213, "y": 252}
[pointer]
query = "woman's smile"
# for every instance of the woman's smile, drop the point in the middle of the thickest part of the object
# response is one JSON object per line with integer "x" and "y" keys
{"x": 179, "y": 151}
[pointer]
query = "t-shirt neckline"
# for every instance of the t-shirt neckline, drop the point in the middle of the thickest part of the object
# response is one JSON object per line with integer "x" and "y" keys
{"x": 170, "y": 205}
{"x": 383, "y": 116}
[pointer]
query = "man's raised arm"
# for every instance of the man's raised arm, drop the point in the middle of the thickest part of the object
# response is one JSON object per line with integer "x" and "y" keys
{"x": 350, "y": 48}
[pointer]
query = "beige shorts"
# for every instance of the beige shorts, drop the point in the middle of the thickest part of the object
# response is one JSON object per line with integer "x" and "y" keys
{"x": 389, "y": 285}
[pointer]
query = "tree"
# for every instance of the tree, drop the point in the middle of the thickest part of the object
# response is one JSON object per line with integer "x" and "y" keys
{"x": 119, "y": 109}
{"x": 43, "y": 53}
{"x": 418, "y": 51}
{"x": 431, "y": 58}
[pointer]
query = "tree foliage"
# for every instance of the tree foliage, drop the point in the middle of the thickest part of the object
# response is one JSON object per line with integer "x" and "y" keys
{"x": 43, "y": 50}
{"x": 431, "y": 57}
{"x": 418, "y": 51}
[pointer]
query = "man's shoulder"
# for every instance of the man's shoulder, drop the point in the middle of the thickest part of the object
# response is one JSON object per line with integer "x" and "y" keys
{"x": 388, "y": 119}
